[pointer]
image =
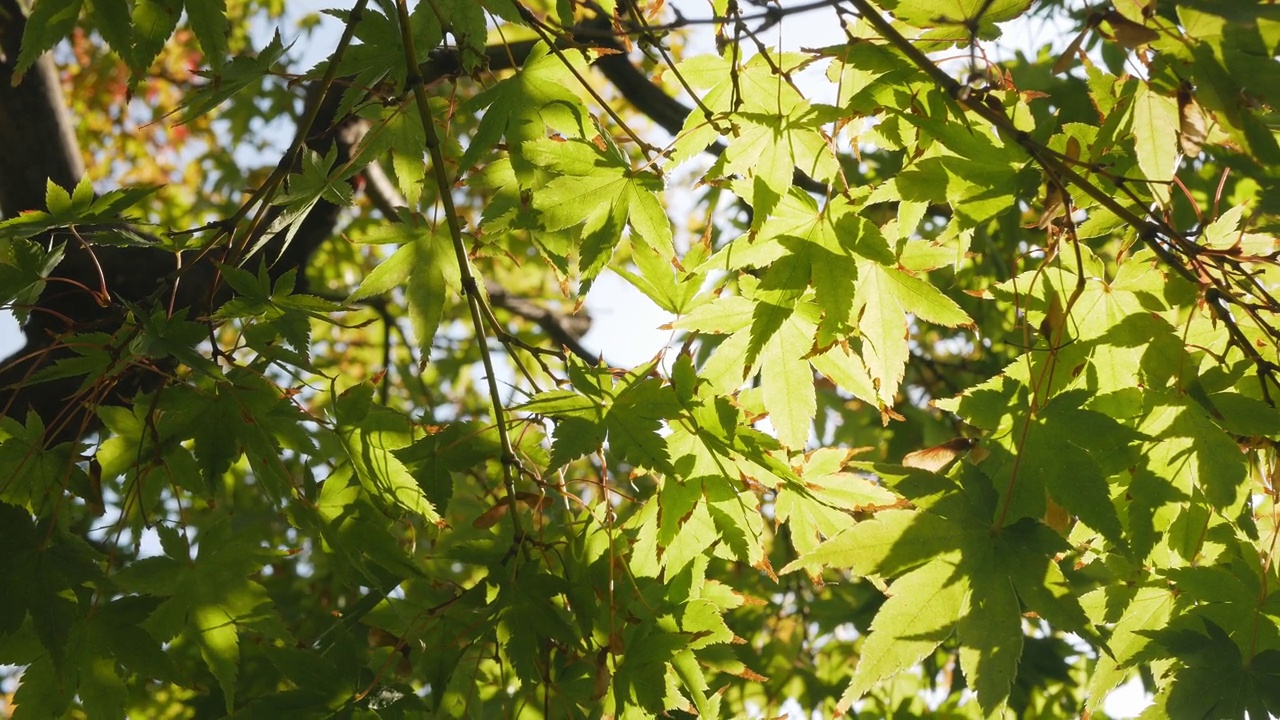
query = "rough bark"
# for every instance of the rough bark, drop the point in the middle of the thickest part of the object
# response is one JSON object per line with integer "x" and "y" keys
{"x": 35, "y": 125}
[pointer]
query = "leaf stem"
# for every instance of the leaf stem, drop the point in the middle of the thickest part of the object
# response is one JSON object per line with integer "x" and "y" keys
{"x": 469, "y": 285}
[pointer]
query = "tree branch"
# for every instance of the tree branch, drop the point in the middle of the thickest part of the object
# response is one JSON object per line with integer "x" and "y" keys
{"x": 34, "y": 152}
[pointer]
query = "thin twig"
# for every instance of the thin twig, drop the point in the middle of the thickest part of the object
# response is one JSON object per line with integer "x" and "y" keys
{"x": 469, "y": 285}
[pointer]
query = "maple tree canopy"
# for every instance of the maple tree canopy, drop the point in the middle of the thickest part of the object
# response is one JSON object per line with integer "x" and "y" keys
{"x": 968, "y": 406}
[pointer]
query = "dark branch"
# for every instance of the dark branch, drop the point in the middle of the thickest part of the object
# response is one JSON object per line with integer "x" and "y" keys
{"x": 35, "y": 125}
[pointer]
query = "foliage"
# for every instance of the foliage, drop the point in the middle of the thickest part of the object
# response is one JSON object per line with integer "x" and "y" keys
{"x": 969, "y": 409}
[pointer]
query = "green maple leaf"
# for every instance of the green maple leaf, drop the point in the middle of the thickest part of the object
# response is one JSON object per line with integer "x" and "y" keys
{"x": 953, "y": 572}
{"x": 822, "y": 506}
{"x": 211, "y": 598}
{"x": 359, "y": 532}
{"x": 735, "y": 514}
{"x": 776, "y": 342}
{"x": 921, "y": 612}
{"x": 505, "y": 9}
{"x": 1212, "y": 677}
{"x": 1188, "y": 449}
{"x": 37, "y": 475}
{"x": 580, "y": 422}
{"x": 1069, "y": 453}
{"x": 889, "y": 543}
{"x": 20, "y": 565}
{"x": 599, "y": 190}
{"x": 787, "y": 380}
{"x": 112, "y": 635}
{"x": 990, "y": 634}
{"x": 507, "y": 207}
{"x": 370, "y": 435}
{"x": 690, "y": 532}
{"x": 775, "y": 130}
{"x": 425, "y": 265}
{"x": 627, "y": 414}
{"x": 1071, "y": 474}
{"x": 49, "y": 23}
{"x": 816, "y": 245}
{"x": 754, "y": 87}
{"x": 208, "y": 20}
{"x": 153, "y": 22}
{"x": 1155, "y": 137}
{"x": 1135, "y": 612}
{"x": 1027, "y": 554}
{"x": 885, "y": 296}
{"x": 465, "y": 21}
{"x": 634, "y": 423}
{"x": 377, "y": 57}
{"x": 24, "y": 264}
{"x": 668, "y": 286}
{"x": 523, "y": 106}
{"x": 111, "y": 18}
{"x": 977, "y": 189}
{"x": 406, "y": 139}
{"x": 770, "y": 147}
{"x": 956, "y": 17}
{"x": 1228, "y": 596}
